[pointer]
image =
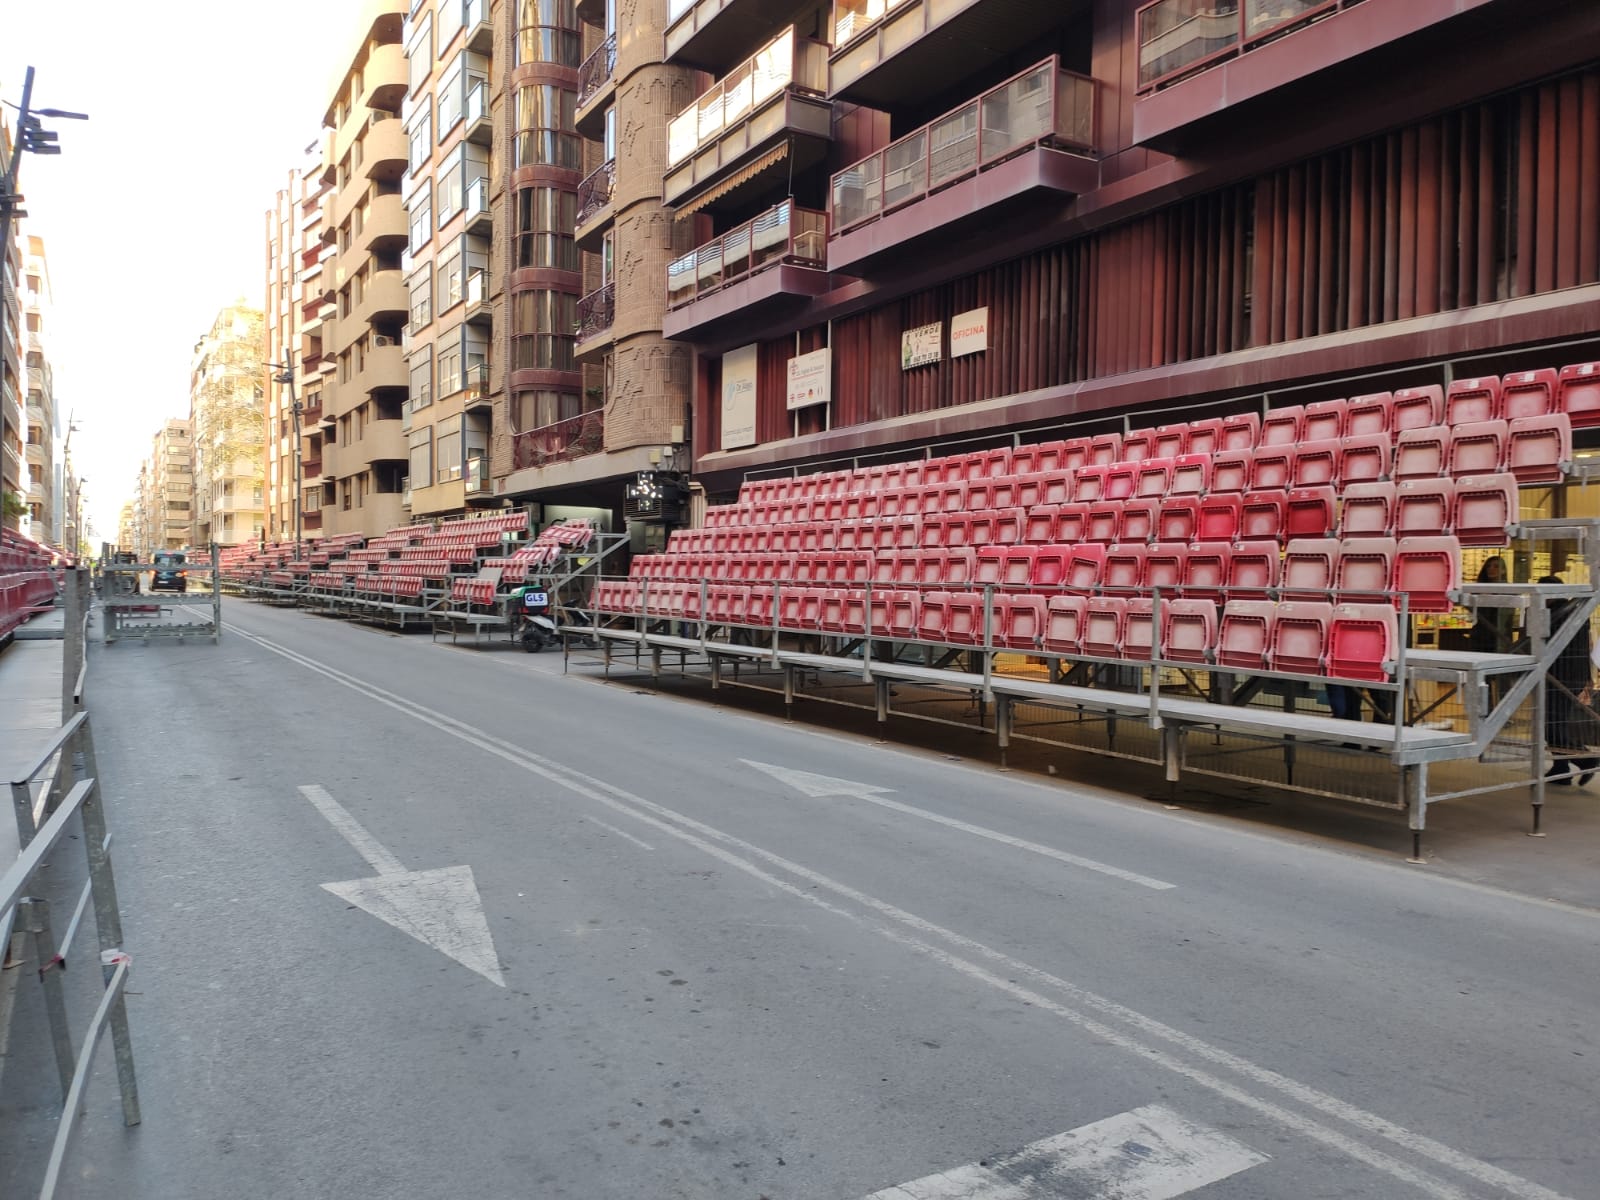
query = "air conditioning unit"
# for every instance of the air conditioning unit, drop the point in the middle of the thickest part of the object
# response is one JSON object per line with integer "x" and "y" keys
{"x": 381, "y": 340}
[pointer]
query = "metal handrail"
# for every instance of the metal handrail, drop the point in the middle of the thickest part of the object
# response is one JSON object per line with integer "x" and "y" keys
{"x": 784, "y": 233}
{"x": 1179, "y": 37}
{"x": 597, "y": 69}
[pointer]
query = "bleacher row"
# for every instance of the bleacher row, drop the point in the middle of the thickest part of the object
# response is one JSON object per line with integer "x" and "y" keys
{"x": 27, "y": 579}
{"x": 1279, "y": 543}
{"x": 498, "y": 573}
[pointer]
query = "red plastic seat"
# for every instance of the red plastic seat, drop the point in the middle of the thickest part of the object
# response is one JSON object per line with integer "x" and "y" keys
{"x": 1122, "y": 480}
{"x": 1261, "y": 515}
{"x": 905, "y": 611}
{"x": 1163, "y": 567}
{"x": 1219, "y": 518}
{"x": 1016, "y": 568}
{"x": 1324, "y": 421}
{"x": 1281, "y": 427}
{"x": 1105, "y": 518}
{"x": 1427, "y": 570}
{"x": 1421, "y": 452}
{"x": 1138, "y": 522}
{"x": 1300, "y": 637}
{"x": 1245, "y": 634}
{"x": 1368, "y": 415}
{"x": 1040, "y": 527}
{"x": 1539, "y": 448}
{"x": 1007, "y": 526}
{"x": 1529, "y": 394}
{"x": 1416, "y": 408}
{"x": 1019, "y": 621}
{"x": 1272, "y": 467}
{"x": 1153, "y": 479}
{"x": 958, "y": 565}
{"x": 1027, "y": 491}
{"x": 1085, "y": 566}
{"x": 934, "y": 617}
{"x": 1578, "y": 394}
{"x": 1040, "y": 456}
{"x": 1191, "y": 475}
{"x": 1075, "y": 453}
{"x": 1309, "y": 512}
{"x": 1485, "y": 508}
{"x": 1139, "y": 630}
{"x": 1064, "y": 620}
{"x": 1230, "y": 472}
{"x": 991, "y": 565}
{"x": 1138, "y": 445}
{"x": 1050, "y": 566}
{"x": 907, "y": 568}
{"x": 1364, "y": 570}
{"x": 1177, "y": 520}
{"x": 1365, "y": 458}
{"x": 1072, "y": 522}
{"x": 1240, "y": 432}
{"x": 1055, "y": 487}
{"x": 1205, "y": 570}
{"x": 1478, "y": 448}
{"x": 1105, "y": 449}
{"x": 1368, "y": 510}
{"x": 1423, "y": 507}
{"x": 1470, "y": 400}
{"x": 965, "y": 620}
{"x": 1089, "y": 484}
{"x": 1361, "y": 641}
{"x": 758, "y": 607}
{"x": 1254, "y": 569}
{"x": 1103, "y": 623}
{"x": 994, "y": 463}
{"x": 1125, "y": 567}
{"x": 1205, "y": 437}
{"x": 1170, "y": 440}
{"x": 1188, "y": 630}
{"x": 1308, "y": 568}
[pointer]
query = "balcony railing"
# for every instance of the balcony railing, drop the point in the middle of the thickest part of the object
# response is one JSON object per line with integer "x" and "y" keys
{"x": 1180, "y": 36}
{"x": 1044, "y": 106}
{"x": 596, "y": 311}
{"x": 575, "y": 437}
{"x": 475, "y": 202}
{"x": 782, "y": 234}
{"x": 477, "y": 288}
{"x": 311, "y": 468}
{"x": 597, "y": 69}
{"x": 787, "y": 63}
{"x": 594, "y": 193}
{"x": 850, "y": 17}
{"x": 479, "y": 482}
{"x": 476, "y": 109}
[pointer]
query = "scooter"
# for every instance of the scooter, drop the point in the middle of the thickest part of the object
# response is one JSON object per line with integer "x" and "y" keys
{"x": 536, "y": 629}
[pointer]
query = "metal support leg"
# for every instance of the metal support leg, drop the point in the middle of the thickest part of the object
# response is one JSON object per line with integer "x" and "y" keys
{"x": 655, "y": 664}
{"x": 1415, "y": 781}
{"x": 34, "y": 918}
{"x": 788, "y": 692}
{"x": 1172, "y": 756}
{"x": 22, "y": 804}
{"x": 1002, "y": 727}
{"x": 1541, "y": 758}
{"x": 716, "y": 672}
{"x": 880, "y": 689}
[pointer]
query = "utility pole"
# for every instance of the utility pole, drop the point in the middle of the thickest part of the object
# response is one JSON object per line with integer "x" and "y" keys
{"x": 286, "y": 375}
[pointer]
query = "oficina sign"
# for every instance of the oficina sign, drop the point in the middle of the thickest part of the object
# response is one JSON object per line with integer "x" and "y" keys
{"x": 969, "y": 332}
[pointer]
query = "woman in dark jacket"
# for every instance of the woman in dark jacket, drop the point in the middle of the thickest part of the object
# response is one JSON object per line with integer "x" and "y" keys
{"x": 1570, "y": 728}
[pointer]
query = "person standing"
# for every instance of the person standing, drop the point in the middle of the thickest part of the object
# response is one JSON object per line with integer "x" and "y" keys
{"x": 1570, "y": 727}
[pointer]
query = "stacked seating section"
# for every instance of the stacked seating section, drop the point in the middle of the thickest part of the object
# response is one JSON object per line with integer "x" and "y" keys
{"x": 27, "y": 579}
{"x": 1265, "y": 543}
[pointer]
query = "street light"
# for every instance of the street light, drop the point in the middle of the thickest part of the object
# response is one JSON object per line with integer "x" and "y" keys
{"x": 285, "y": 374}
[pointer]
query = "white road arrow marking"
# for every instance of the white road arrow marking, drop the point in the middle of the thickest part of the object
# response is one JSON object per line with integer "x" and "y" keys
{"x": 825, "y": 785}
{"x": 1150, "y": 1153}
{"x": 440, "y": 908}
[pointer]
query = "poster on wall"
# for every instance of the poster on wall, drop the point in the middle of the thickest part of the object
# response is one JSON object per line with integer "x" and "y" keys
{"x": 739, "y": 397}
{"x": 921, "y": 346}
{"x": 969, "y": 332}
{"x": 810, "y": 379}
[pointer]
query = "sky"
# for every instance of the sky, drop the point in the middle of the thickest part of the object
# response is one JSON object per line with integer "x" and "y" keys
{"x": 153, "y": 215}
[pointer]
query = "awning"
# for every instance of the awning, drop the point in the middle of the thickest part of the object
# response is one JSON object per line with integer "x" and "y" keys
{"x": 742, "y": 176}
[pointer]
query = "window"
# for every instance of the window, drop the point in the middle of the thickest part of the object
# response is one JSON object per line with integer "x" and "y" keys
{"x": 419, "y": 54}
{"x": 449, "y": 366}
{"x": 420, "y": 209}
{"x": 421, "y": 367}
{"x": 544, "y": 325}
{"x": 611, "y": 133}
{"x": 420, "y": 286}
{"x": 548, "y": 32}
{"x": 545, "y": 127}
{"x": 419, "y": 135}
{"x": 450, "y": 277}
{"x": 450, "y": 185}
{"x": 420, "y": 442}
{"x": 544, "y": 222}
{"x": 535, "y": 410}
{"x": 447, "y": 455}
{"x": 450, "y": 98}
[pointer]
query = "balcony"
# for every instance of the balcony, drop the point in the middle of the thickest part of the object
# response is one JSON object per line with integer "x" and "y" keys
{"x": 478, "y": 120}
{"x": 576, "y": 437}
{"x": 596, "y": 312}
{"x": 384, "y": 299}
{"x": 899, "y": 53}
{"x": 1030, "y": 136}
{"x": 1201, "y": 58}
{"x": 33, "y": 454}
{"x": 384, "y": 150}
{"x": 480, "y": 308}
{"x": 383, "y": 441}
{"x": 386, "y": 77}
{"x": 777, "y": 258}
{"x": 595, "y": 79}
{"x": 710, "y": 34}
{"x": 477, "y": 396}
{"x": 311, "y": 521}
{"x": 480, "y": 33}
{"x": 479, "y": 221}
{"x": 384, "y": 368}
{"x": 383, "y": 228}
{"x": 311, "y": 468}
{"x": 767, "y": 116}
{"x": 480, "y": 484}
{"x": 594, "y": 205}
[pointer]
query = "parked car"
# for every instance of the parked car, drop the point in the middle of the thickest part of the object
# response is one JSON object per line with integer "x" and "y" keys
{"x": 169, "y": 573}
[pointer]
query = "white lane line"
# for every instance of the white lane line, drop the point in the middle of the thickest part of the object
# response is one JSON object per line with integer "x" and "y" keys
{"x": 362, "y": 842}
{"x": 1148, "y": 1153}
{"x": 825, "y": 785}
{"x": 678, "y": 825}
{"x": 621, "y": 833}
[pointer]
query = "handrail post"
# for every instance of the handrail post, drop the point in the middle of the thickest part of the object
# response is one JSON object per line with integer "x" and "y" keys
{"x": 1155, "y": 658}
{"x": 1400, "y": 670}
{"x": 35, "y": 914}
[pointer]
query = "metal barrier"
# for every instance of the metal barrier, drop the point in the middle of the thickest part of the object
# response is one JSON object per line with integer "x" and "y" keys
{"x": 62, "y": 783}
{"x": 125, "y": 608}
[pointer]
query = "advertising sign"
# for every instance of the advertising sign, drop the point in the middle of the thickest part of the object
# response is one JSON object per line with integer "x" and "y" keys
{"x": 739, "y": 397}
{"x": 922, "y": 345}
{"x": 810, "y": 379}
{"x": 969, "y": 332}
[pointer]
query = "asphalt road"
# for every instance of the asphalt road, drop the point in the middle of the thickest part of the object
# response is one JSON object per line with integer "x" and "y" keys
{"x": 586, "y": 941}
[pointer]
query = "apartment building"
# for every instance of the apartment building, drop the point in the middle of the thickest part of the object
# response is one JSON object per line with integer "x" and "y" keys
{"x": 166, "y": 490}
{"x": 923, "y": 224}
{"x": 456, "y": 265}
{"x": 353, "y": 337}
{"x": 295, "y": 289}
{"x": 128, "y": 526}
{"x": 42, "y": 454}
{"x": 227, "y": 420}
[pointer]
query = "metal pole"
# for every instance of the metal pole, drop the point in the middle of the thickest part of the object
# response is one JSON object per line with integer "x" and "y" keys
{"x": 35, "y": 914}
{"x": 72, "y": 633}
{"x": 8, "y": 200}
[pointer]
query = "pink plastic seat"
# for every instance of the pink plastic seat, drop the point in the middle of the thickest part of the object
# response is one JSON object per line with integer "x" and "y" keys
{"x": 1416, "y": 408}
{"x": 1245, "y": 634}
{"x": 934, "y": 619}
{"x": 1188, "y": 630}
{"x": 1075, "y": 453}
{"x": 1138, "y": 521}
{"x": 1040, "y": 526}
{"x": 1122, "y": 480}
{"x": 1254, "y": 569}
{"x": 1316, "y": 464}
{"x": 964, "y": 622}
{"x": 1089, "y": 484}
{"x": 1478, "y": 448}
{"x": 1205, "y": 570}
{"x": 1085, "y": 566}
{"x": 1361, "y": 641}
{"x": 1153, "y": 479}
{"x": 1064, "y": 621}
{"x": 1072, "y": 522}
{"x": 1368, "y": 510}
{"x": 1365, "y": 458}
{"x": 1205, "y": 437}
{"x": 1050, "y": 566}
{"x": 1529, "y": 394}
{"x": 1308, "y": 568}
{"x": 1170, "y": 440}
{"x": 1177, "y": 520}
{"x": 1105, "y": 518}
{"x": 1017, "y": 565}
{"x": 1300, "y": 637}
{"x": 1139, "y": 630}
{"x": 1191, "y": 475}
{"x": 1309, "y": 512}
{"x": 1261, "y": 515}
{"x": 1469, "y": 400}
{"x": 1368, "y": 415}
{"x": 991, "y": 565}
{"x": 1241, "y": 431}
{"x": 1019, "y": 621}
{"x": 1485, "y": 509}
{"x": 1421, "y": 452}
{"x": 1272, "y": 467}
{"x": 1103, "y": 624}
{"x": 1324, "y": 421}
{"x": 1230, "y": 472}
{"x": 1578, "y": 394}
{"x": 1219, "y": 518}
{"x": 1427, "y": 570}
{"x": 1138, "y": 445}
{"x": 1424, "y": 507}
{"x": 1105, "y": 449}
{"x": 1281, "y": 427}
{"x": 1539, "y": 448}
{"x": 1125, "y": 566}
{"x": 1163, "y": 567}
{"x": 1364, "y": 570}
